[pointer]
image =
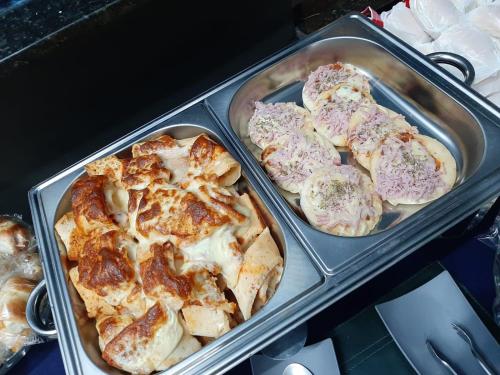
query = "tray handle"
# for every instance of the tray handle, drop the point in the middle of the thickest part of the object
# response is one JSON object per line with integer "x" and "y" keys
{"x": 459, "y": 62}
{"x": 37, "y": 301}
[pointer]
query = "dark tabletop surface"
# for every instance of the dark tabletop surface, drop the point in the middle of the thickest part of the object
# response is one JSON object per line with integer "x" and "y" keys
{"x": 27, "y": 22}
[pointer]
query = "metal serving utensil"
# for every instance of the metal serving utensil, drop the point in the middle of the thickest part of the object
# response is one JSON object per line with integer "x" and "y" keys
{"x": 296, "y": 369}
{"x": 468, "y": 339}
{"x": 440, "y": 357}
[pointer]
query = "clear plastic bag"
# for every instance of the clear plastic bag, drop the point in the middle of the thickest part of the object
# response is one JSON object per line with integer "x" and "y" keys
{"x": 492, "y": 239}
{"x": 487, "y": 19}
{"x": 464, "y": 6}
{"x": 20, "y": 271}
{"x": 435, "y": 16}
{"x": 401, "y": 22}
{"x": 473, "y": 44}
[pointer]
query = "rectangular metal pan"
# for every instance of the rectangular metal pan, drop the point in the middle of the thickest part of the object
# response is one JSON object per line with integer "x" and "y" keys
{"x": 77, "y": 334}
{"x": 402, "y": 80}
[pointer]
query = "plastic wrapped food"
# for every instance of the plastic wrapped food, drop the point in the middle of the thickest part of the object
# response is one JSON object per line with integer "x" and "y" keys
{"x": 487, "y": 19}
{"x": 401, "y": 22}
{"x": 435, "y": 16}
{"x": 20, "y": 270}
{"x": 473, "y": 44}
{"x": 464, "y": 6}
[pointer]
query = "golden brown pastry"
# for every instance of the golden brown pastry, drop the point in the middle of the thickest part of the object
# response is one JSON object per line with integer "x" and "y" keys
{"x": 157, "y": 242}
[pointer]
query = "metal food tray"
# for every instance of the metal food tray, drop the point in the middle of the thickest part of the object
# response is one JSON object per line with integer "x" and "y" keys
{"x": 77, "y": 334}
{"x": 407, "y": 81}
{"x": 401, "y": 80}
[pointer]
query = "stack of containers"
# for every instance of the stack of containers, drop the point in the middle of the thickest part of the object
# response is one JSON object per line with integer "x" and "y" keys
{"x": 470, "y": 28}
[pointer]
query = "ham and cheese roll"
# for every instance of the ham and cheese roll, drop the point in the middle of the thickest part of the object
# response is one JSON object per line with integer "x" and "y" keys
{"x": 341, "y": 200}
{"x": 294, "y": 157}
{"x": 333, "y": 110}
{"x": 272, "y": 121}
{"x": 326, "y": 77}
{"x": 412, "y": 169}
{"x": 369, "y": 126}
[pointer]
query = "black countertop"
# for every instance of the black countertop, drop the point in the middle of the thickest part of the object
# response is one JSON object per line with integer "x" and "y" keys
{"x": 99, "y": 69}
{"x": 28, "y": 22}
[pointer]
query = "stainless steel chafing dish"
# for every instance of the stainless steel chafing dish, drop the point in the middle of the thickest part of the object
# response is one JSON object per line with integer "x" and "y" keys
{"x": 403, "y": 79}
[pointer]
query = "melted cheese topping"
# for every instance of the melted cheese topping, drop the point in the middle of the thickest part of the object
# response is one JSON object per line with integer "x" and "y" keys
{"x": 341, "y": 200}
{"x": 407, "y": 169}
{"x": 334, "y": 109}
{"x": 294, "y": 157}
{"x": 218, "y": 250}
{"x": 272, "y": 121}
{"x": 158, "y": 237}
{"x": 326, "y": 77}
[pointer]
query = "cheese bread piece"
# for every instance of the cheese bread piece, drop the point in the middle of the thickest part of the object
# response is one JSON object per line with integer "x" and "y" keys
{"x": 105, "y": 274}
{"x": 341, "y": 201}
{"x": 211, "y": 160}
{"x": 159, "y": 279}
{"x": 165, "y": 213}
{"x": 133, "y": 173}
{"x": 109, "y": 326}
{"x": 88, "y": 202}
{"x": 219, "y": 253}
{"x": 173, "y": 154}
{"x": 205, "y": 321}
{"x": 260, "y": 259}
{"x": 369, "y": 126}
{"x": 72, "y": 238}
{"x": 143, "y": 345}
{"x": 412, "y": 169}
{"x": 253, "y": 224}
{"x": 187, "y": 346}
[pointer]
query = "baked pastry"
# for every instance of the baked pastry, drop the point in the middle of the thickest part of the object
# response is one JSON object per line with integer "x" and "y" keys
{"x": 326, "y": 77}
{"x": 369, "y": 126}
{"x": 158, "y": 242}
{"x": 295, "y": 156}
{"x": 273, "y": 121}
{"x": 341, "y": 200}
{"x": 20, "y": 269}
{"x": 14, "y": 237}
{"x": 14, "y": 329}
{"x": 412, "y": 169}
{"x": 142, "y": 346}
{"x": 260, "y": 260}
{"x": 333, "y": 110}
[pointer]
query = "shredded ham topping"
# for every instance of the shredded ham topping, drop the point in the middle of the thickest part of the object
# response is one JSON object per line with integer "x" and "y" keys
{"x": 406, "y": 169}
{"x": 326, "y": 77}
{"x": 300, "y": 155}
{"x": 335, "y": 114}
{"x": 342, "y": 197}
{"x": 271, "y": 121}
{"x": 366, "y": 136}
